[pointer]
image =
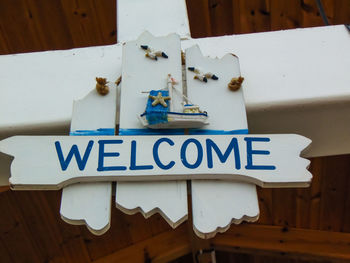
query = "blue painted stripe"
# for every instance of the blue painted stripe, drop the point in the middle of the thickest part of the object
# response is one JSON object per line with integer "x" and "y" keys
{"x": 180, "y": 113}
{"x": 151, "y": 131}
{"x": 183, "y": 113}
{"x": 101, "y": 131}
{"x": 216, "y": 132}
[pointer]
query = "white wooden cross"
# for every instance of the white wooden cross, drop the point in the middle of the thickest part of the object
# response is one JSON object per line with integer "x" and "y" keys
{"x": 104, "y": 62}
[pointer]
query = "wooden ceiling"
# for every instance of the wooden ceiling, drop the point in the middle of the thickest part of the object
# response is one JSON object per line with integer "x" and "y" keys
{"x": 36, "y": 25}
{"x": 296, "y": 225}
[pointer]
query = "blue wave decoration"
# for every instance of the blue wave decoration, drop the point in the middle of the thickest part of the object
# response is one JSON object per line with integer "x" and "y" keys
{"x": 158, "y": 113}
{"x": 151, "y": 131}
{"x": 100, "y": 132}
{"x": 216, "y": 132}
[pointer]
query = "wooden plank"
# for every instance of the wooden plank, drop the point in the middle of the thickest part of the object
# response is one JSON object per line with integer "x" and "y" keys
{"x": 27, "y": 25}
{"x": 199, "y": 18}
{"x": 106, "y": 17}
{"x": 221, "y": 17}
{"x": 245, "y": 17}
{"x": 212, "y": 198}
{"x": 236, "y": 17}
{"x": 315, "y": 193}
{"x": 334, "y": 178}
{"x": 116, "y": 238}
{"x": 265, "y": 205}
{"x": 157, "y": 224}
{"x": 140, "y": 229}
{"x": 308, "y": 200}
{"x": 341, "y": 12}
{"x": 282, "y": 198}
{"x": 143, "y": 74}
{"x": 285, "y": 14}
{"x": 254, "y": 16}
{"x": 48, "y": 24}
{"x": 197, "y": 243}
{"x": 4, "y": 47}
{"x": 74, "y": 250}
{"x": 223, "y": 256}
{"x": 160, "y": 248}
{"x": 310, "y": 14}
{"x": 126, "y": 230}
{"x": 81, "y": 16}
{"x": 4, "y": 253}
{"x": 4, "y": 188}
{"x": 136, "y": 226}
{"x": 302, "y": 208}
{"x": 46, "y": 235}
{"x": 329, "y": 7}
{"x": 90, "y": 204}
{"x": 14, "y": 228}
{"x": 346, "y": 216}
{"x": 36, "y": 219}
{"x": 299, "y": 242}
{"x": 17, "y": 27}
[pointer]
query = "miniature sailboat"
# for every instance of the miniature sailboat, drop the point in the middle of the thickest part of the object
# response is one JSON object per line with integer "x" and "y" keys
{"x": 160, "y": 112}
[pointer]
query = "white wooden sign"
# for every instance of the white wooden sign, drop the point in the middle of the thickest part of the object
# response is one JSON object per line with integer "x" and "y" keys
{"x": 167, "y": 198}
{"x": 233, "y": 201}
{"x": 159, "y": 100}
{"x": 90, "y": 203}
{"x": 51, "y": 162}
{"x": 170, "y": 198}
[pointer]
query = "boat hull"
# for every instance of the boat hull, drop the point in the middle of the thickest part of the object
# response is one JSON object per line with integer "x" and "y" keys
{"x": 178, "y": 121}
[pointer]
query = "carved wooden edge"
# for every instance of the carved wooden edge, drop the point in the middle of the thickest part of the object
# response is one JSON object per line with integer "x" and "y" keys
{"x": 223, "y": 229}
{"x": 150, "y": 213}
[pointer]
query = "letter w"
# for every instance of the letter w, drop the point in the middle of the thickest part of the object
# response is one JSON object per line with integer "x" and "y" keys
{"x": 73, "y": 151}
{"x": 223, "y": 157}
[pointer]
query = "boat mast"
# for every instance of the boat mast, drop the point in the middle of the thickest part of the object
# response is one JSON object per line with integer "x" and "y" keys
{"x": 170, "y": 82}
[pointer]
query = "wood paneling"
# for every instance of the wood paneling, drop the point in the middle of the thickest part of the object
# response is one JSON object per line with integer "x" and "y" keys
{"x": 285, "y": 14}
{"x": 222, "y": 17}
{"x": 31, "y": 230}
{"x": 323, "y": 206}
{"x": 199, "y": 16}
{"x": 30, "y": 226}
{"x": 34, "y": 25}
{"x": 160, "y": 248}
{"x": 302, "y": 243}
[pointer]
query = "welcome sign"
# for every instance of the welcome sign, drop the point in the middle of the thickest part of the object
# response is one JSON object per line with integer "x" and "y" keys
{"x": 52, "y": 162}
{"x": 162, "y": 93}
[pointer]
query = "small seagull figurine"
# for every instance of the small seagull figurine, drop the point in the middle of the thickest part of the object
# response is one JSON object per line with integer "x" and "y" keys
{"x": 159, "y": 99}
{"x": 150, "y": 53}
{"x": 202, "y": 76}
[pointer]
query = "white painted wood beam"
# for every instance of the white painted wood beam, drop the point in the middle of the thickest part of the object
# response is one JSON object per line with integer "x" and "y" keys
{"x": 159, "y": 17}
{"x": 296, "y": 81}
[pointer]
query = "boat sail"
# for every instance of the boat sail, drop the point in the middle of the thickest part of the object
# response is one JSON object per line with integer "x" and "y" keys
{"x": 162, "y": 112}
